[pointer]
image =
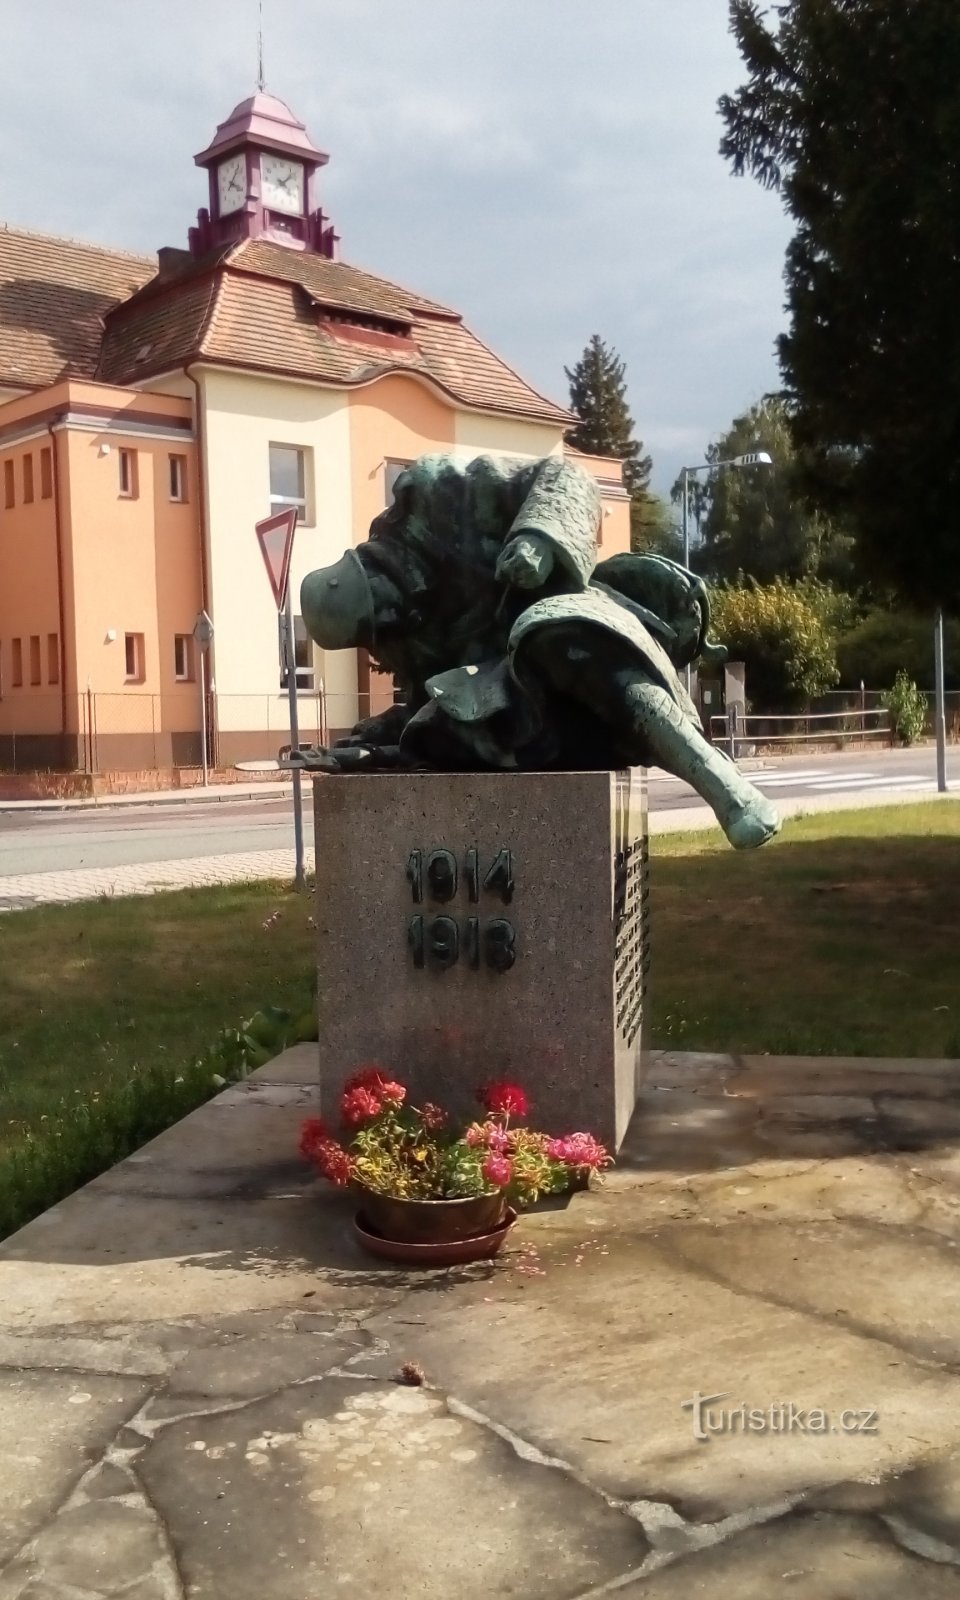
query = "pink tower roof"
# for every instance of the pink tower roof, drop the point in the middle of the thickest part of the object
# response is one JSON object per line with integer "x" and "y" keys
{"x": 264, "y": 120}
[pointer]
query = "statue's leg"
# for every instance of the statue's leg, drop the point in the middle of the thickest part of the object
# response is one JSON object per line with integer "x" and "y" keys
{"x": 746, "y": 816}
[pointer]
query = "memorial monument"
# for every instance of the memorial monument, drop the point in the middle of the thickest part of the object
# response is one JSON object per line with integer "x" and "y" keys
{"x": 481, "y": 849}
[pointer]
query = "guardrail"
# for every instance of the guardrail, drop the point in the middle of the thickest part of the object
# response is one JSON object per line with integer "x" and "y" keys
{"x": 733, "y": 727}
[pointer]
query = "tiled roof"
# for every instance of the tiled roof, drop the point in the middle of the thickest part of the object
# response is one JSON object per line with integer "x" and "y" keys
{"x": 54, "y": 294}
{"x": 265, "y": 306}
{"x": 77, "y": 308}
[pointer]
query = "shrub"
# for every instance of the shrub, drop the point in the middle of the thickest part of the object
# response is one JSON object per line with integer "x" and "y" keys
{"x": 783, "y": 639}
{"x": 886, "y": 642}
{"x": 908, "y": 709}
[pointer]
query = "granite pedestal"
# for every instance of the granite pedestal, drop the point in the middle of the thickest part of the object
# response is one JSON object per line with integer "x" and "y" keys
{"x": 478, "y": 926}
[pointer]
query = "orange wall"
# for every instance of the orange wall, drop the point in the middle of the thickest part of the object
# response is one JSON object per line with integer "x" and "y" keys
{"x": 131, "y": 565}
{"x": 394, "y": 419}
{"x": 28, "y": 593}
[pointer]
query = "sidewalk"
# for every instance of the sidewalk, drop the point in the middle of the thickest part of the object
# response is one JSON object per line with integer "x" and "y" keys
{"x": 198, "y": 1365}
{"x": 20, "y": 891}
{"x": 268, "y": 790}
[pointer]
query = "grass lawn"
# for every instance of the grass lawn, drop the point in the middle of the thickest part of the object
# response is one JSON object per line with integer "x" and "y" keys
{"x": 842, "y": 937}
{"x": 91, "y": 991}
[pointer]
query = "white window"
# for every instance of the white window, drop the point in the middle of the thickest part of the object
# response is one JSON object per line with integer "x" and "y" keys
{"x": 288, "y": 479}
{"x": 183, "y": 657}
{"x": 178, "y": 477}
{"x": 303, "y": 650}
{"x": 391, "y": 472}
{"x": 133, "y": 657}
{"x": 128, "y": 473}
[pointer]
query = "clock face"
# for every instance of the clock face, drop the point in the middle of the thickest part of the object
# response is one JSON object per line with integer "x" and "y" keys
{"x": 232, "y": 184}
{"x": 282, "y": 184}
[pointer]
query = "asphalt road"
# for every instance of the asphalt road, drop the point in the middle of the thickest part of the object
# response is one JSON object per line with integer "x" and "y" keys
{"x": 59, "y": 841}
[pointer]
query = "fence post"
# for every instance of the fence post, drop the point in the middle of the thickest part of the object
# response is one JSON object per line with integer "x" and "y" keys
{"x": 732, "y": 719}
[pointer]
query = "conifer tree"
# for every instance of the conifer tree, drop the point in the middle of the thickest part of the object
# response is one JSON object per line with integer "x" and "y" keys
{"x": 598, "y": 395}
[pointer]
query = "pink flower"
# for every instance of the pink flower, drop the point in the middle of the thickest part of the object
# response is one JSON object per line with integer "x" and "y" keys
{"x": 476, "y": 1135}
{"x": 497, "y": 1170}
{"x": 359, "y": 1105}
{"x": 498, "y": 1140}
{"x": 390, "y": 1092}
{"x": 334, "y": 1163}
{"x": 504, "y": 1099}
{"x": 433, "y": 1117}
{"x": 578, "y": 1150}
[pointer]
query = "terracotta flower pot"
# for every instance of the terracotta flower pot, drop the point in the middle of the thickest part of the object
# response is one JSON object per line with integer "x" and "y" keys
{"x": 432, "y": 1221}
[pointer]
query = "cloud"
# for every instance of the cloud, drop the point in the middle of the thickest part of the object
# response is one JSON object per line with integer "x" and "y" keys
{"x": 549, "y": 168}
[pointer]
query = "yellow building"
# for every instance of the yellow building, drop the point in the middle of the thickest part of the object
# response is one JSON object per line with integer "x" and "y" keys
{"x": 152, "y": 410}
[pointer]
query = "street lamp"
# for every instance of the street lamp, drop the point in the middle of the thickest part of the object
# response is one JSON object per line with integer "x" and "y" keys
{"x": 753, "y": 458}
{"x": 940, "y": 709}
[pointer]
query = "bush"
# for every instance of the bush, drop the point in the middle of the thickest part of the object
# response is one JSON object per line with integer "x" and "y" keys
{"x": 908, "y": 709}
{"x": 782, "y": 637}
{"x": 887, "y": 642}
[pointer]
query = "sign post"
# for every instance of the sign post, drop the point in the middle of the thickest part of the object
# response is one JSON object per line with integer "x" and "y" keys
{"x": 276, "y": 545}
{"x": 203, "y": 637}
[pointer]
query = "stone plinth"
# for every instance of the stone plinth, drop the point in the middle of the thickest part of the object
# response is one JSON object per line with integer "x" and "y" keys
{"x": 476, "y": 926}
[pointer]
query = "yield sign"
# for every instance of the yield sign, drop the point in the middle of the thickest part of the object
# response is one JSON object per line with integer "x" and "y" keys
{"x": 276, "y": 545}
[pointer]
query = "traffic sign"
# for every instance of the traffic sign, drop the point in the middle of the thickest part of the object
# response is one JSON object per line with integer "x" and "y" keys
{"x": 276, "y": 546}
{"x": 203, "y": 631}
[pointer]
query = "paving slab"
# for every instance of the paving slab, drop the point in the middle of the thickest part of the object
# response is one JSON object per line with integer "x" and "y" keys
{"x": 732, "y": 1371}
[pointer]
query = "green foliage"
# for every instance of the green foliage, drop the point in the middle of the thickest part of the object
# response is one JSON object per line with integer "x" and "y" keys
{"x": 787, "y": 646}
{"x": 908, "y": 708}
{"x": 879, "y": 644}
{"x": 851, "y": 110}
{"x": 81, "y": 1139}
{"x": 755, "y": 520}
{"x": 653, "y": 528}
{"x": 598, "y": 395}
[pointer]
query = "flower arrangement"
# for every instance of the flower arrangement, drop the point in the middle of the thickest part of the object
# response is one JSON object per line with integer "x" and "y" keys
{"x": 408, "y": 1152}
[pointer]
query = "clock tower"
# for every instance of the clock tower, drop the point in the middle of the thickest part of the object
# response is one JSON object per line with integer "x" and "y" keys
{"x": 261, "y": 166}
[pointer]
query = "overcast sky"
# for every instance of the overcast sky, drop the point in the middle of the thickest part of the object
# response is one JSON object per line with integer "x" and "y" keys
{"x": 548, "y": 167}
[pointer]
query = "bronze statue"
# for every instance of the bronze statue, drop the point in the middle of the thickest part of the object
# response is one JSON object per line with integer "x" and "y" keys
{"x": 513, "y": 648}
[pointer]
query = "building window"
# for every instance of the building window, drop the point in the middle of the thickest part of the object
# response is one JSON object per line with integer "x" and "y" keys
{"x": 35, "y": 677}
{"x": 9, "y": 487}
{"x": 46, "y": 475}
{"x": 16, "y": 663}
{"x": 178, "y": 477}
{"x": 391, "y": 472}
{"x": 133, "y": 658}
{"x": 128, "y": 474}
{"x": 53, "y": 658}
{"x": 288, "y": 479}
{"x": 28, "y": 478}
{"x": 303, "y": 650}
{"x": 183, "y": 657}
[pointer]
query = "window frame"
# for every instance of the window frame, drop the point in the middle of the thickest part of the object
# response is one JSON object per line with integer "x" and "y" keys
{"x": 16, "y": 663}
{"x": 128, "y": 475}
{"x": 9, "y": 484}
{"x": 46, "y": 473}
{"x": 177, "y": 478}
{"x": 392, "y": 468}
{"x": 301, "y": 639}
{"x": 302, "y": 503}
{"x": 36, "y": 662}
{"x": 189, "y": 673}
{"x": 139, "y": 674}
{"x": 27, "y": 471}
{"x": 53, "y": 658}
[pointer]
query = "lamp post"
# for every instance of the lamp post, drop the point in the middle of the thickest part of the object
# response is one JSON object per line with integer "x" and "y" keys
{"x": 753, "y": 458}
{"x": 940, "y": 709}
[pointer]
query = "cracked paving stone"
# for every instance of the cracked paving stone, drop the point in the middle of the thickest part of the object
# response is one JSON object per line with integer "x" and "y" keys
{"x": 624, "y": 1339}
{"x": 802, "y": 1557}
{"x": 329, "y": 1487}
{"x": 53, "y": 1426}
{"x": 102, "y": 1548}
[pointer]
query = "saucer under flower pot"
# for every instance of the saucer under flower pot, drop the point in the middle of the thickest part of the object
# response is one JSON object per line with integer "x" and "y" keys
{"x": 437, "y": 1253}
{"x": 424, "y": 1222}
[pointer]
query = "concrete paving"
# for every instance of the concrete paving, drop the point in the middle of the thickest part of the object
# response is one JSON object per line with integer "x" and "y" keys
{"x": 732, "y": 1371}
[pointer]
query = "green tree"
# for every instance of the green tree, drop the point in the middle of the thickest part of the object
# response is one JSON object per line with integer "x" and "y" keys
{"x": 756, "y": 520}
{"x": 786, "y": 643}
{"x": 598, "y": 396}
{"x": 851, "y": 110}
{"x": 873, "y": 649}
{"x": 653, "y": 527}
